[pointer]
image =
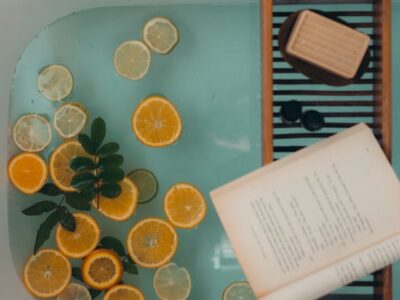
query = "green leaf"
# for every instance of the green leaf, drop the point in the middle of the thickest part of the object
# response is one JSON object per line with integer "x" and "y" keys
{"x": 114, "y": 244}
{"x": 111, "y": 161}
{"x": 45, "y": 229}
{"x": 130, "y": 267}
{"x": 79, "y": 164}
{"x": 107, "y": 149}
{"x": 112, "y": 175}
{"x": 40, "y": 208}
{"x": 87, "y": 143}
{"x": 98, "y": 132}
{"x": 83, "y": 180}
{"x": 77, "y": 274}
{"x": 66, "y": 219}
{"x": 94, "y": 293}
{"x": 77, "y": 201}
{"x": 88, "y": 193}
{"x": 50, "y": 189}
{"x": 110, "y": 190}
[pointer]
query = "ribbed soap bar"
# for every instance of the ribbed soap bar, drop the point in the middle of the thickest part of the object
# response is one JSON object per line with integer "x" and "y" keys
{"x": 327, "y": 44}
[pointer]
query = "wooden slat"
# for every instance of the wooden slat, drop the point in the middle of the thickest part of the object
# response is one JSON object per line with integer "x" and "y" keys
{"x": 285, "y": 2}
{"x": 338, "y": 13}
{"x": 346, "y": 103}
{"x": 281, "y": 59}
{"x": 383, "y": 97}
{"x": 354, "y": 25}
{"x": 358, "y": 114}
{"x": 309, "y": 81}
{"x": 293, "y": 71}
{"x": 267, "y": 79}
{"x": 324, "y": 93}
{"x": 327, "y": 125}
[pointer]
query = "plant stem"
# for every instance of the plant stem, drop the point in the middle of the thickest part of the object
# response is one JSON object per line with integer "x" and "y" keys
{"x": 97, "y": 183}
{"x": 61, "y": 201}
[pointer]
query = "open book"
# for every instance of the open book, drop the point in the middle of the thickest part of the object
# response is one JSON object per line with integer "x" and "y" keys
{"x": 316, "y": 220}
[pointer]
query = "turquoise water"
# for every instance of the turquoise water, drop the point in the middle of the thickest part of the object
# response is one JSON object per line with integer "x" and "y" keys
{"x": 213, "y": 78}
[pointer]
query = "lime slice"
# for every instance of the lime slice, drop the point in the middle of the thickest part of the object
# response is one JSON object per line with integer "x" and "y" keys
{"x": 55, "y": 82}
{"x": 161, "y": 35}
{"x": 146, "y": 183}
{"x": 70, "y": 119}
{"x": 32, "y": 133}
{"x": 132, "y": 60}
{"x": 172, "y": 283}
{"x": 239, "y": 290}
{"x": 75, "y": 291}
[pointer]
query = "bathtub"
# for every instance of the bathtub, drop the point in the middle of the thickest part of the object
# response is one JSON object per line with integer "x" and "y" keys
{"x": 20, "y": 21}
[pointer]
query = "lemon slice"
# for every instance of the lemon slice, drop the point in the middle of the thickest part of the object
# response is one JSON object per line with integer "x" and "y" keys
{"x": 32, "y": 133}
{"x": 82, "y": 241}
{"x": 152, "y": 243}
{"x": 55, "y": 82}
{"x": 172, "y": 283}
{"x": 124, "y": 292}
{"x": 47, "y": 273}
{"x": 185, "y": 205}
{"x": 75, "y": 291}
{"x": 239, "y": 290}
{"x": 132, "y": 60}
{"x": 156, "y": 122}
{"x": 102, "y": 269}
{"x": 70, "y": 119}
{"x": 161, "y": 35}
{"x": 121, "y": 208}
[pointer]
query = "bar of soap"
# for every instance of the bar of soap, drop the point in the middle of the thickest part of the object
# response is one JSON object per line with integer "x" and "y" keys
{"x": 327, "y": 44}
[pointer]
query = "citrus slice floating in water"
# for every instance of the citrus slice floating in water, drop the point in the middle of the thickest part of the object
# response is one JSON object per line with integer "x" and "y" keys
{"x": 59, "y": 164}
{"x": 161, "y": 35}
{"x": 27, "y": 172}
{"x": 172, "y": 283}
{"x": 47, "y": 273}
{"x": 156, "y": 122}
{"x": 124, "y": 292}
{"x": 132, "y": 60}
{"x": 185, "y": 205}
{"x": 55, "y": 82}
{"x": 121, "y": 208}
{"x": 32, "y": 133}
{"x": 152, "y": 243}
{"x": 82, "y": 241}
{"x": 102, "y": 269}
{"x": 146, "y": 182}
{"x": 70, "y": 119}
{"x": 75, "y": 291}
{"x": 239, "y": 290}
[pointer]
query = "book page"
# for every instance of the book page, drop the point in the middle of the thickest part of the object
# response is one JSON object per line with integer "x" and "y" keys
{"x": 310, "y": 210}
{"x": 322, "y": 282}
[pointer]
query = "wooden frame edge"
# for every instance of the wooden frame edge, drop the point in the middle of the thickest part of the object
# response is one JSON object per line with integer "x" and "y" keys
{"x": 383, "y": 7}
{"x": 267, "y": 79}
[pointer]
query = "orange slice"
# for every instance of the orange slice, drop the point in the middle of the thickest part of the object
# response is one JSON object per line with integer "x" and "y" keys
{"x": 124, "y": 292}
{"x": 152, "y": 242}
{"x": 185, "y": 205}
{"x": 102, "y": 269}
{"x": 156, "y": 122}
{"x": 82, "y": 241}
{"x": 122, "y": 207}
{"x": 47, "y": 273}
{"x": 60, "y": 160}
{"x": 27, "y": 172}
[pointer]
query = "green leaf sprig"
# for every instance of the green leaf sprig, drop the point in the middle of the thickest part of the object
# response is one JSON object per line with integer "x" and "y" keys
{"x": 110, "y": 243}
{"x": 99, "y": 174}
{"x": 58, "y": 214}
